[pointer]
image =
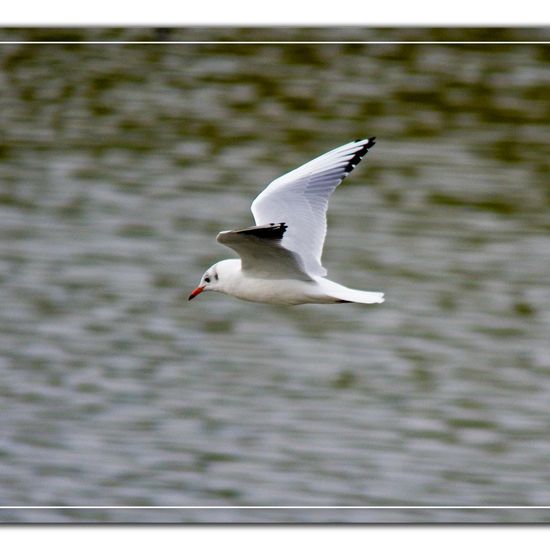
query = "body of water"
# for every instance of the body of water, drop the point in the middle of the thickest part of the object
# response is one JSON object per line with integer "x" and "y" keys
{"x": 118, "y": 166}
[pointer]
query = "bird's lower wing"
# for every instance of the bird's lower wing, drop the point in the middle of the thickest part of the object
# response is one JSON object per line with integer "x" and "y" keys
{"x": 262, "y": 254}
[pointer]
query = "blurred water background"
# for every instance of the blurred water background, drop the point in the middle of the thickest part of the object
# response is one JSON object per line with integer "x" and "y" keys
{"x": 118, "y": 166}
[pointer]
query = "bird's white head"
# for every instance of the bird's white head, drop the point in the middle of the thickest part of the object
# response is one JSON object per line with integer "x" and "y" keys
{"x": 216, "y": 277}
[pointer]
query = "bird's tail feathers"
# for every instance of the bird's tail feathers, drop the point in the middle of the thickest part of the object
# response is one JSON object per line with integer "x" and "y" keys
{"x": 362, "y": 297}
{"x": 344, "y": 294}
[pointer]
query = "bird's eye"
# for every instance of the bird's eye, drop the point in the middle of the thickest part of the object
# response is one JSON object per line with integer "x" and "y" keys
{"x": 207, "y": 279}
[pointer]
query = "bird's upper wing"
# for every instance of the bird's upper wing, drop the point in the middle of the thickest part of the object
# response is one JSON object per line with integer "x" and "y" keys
{"x": 262, "y": 254}
{"x": 300, "y": 199}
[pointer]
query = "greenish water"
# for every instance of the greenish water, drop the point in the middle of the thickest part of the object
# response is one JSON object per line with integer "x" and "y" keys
{"x": 118, "y": 166}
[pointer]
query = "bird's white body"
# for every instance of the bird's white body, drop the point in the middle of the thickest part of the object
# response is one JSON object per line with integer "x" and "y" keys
{"x": 290, "y": 292}
{"x": 280, "y": 258}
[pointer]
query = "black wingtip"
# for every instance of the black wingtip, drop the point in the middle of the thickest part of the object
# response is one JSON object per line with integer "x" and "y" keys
{"x": 268, "y": 231}
{"x": 370, "y": 143}
{"x": 360, "y": 153}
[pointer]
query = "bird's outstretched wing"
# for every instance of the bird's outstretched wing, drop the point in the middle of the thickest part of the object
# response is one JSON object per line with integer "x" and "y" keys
{"x": 300, "y": 198}
{"x": 262, "y": 254}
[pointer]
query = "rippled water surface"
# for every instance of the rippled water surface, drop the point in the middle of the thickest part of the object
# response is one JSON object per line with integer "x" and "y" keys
{"x": 118, "y": 166}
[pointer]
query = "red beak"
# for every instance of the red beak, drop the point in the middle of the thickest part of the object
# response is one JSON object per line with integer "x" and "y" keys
{"x": 196, "y": 292}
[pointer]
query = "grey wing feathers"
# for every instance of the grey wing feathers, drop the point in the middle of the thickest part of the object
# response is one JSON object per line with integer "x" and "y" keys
{"x": 300, "y": 198}
{"x": 262, "y": 254}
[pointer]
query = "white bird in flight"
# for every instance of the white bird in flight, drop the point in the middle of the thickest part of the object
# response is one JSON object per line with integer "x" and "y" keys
{"x": 280, "y": 257}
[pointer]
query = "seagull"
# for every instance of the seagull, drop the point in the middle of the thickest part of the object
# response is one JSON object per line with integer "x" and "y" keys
{"x": 280, "y": 257}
